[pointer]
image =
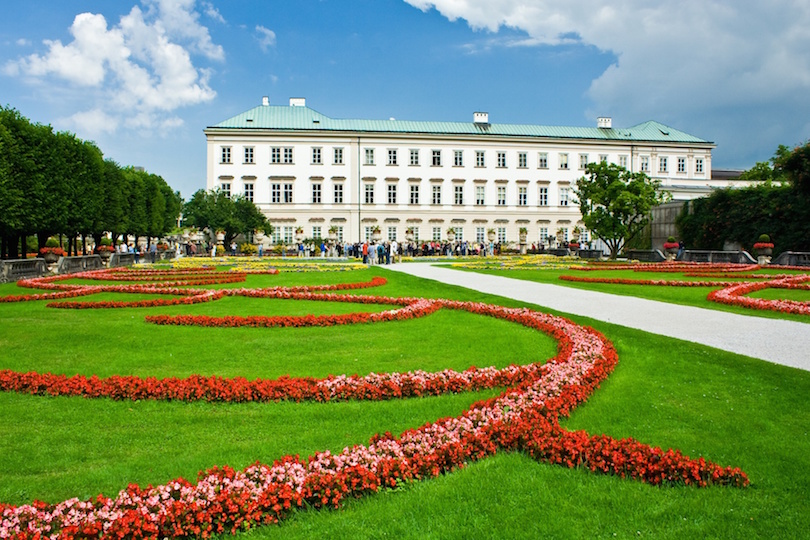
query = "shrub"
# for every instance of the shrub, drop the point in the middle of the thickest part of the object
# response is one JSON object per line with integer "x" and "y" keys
{"x": 764, "y": 238}
{"x": 247, "y": 249}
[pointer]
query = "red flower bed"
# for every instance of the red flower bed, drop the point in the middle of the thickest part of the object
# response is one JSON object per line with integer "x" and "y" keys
{"x": 524, "y": 417}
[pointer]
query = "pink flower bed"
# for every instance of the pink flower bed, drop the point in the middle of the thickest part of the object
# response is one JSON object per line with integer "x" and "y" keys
{"x": 525, "y": 417}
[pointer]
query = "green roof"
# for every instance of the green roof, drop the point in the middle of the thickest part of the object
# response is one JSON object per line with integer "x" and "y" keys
{"x": 301, "y": 118}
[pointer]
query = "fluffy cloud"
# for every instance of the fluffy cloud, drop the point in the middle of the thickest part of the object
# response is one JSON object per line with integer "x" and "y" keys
{"x": 135, "y": 73}
{"x": 266, "y": 37}
{"x": 674, "y": 60}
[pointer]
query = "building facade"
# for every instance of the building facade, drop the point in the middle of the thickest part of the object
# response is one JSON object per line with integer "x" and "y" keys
{"x": 306, "y": 170}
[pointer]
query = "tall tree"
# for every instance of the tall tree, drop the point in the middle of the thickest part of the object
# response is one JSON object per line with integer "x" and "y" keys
{"x": 615, "y": 203}
{"x": 218, "y": 212}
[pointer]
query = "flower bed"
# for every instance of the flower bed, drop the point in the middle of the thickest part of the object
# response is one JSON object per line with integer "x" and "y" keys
{"x": 732, "y": 293}
{"x": 525, "y": 417}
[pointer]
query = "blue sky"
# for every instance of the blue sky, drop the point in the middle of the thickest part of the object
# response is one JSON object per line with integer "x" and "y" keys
{"x": 143, "y": 78}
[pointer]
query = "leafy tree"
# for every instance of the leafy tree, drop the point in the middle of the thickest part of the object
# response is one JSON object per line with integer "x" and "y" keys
{"x": 218, "y": 212}
{"x": 795, "y": 164}
{"x": 615, "y": 203}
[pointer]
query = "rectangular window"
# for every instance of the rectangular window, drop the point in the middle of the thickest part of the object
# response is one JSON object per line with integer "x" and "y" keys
{"x": 337, "y": 193}
{"x": 479, "y": 195}
{"x": 276, "y": 235}
{"x": 392, "y": 194}
{"x": 542, "y": 160}
{"x": 316, "y": 156}
{"x": 564, "y": 161}
{"x": 369, "y": 156}
{"x": 225, "y": 156}
{"x": 603, "y": 158}
{"x": 275, "y": 155}
{"x": 288, "y": 155}
{"x": 436, "y": 158}
{"x": 225, "y": 187}
{"x": 368, "y": 230}
{"x": 662, "y": 164}
{"x": 699, "y": 165}
{"x": 564, "y": 196}
{"x": 480, "y": 235}
{"x": 392, "y": 156}
{"x": 288, "y": 193}
{"x": 458, "y": 158}
{"x": 542, "y": 196}
{"x": 522, "y": 160}
{"x": 501, "y": 159}
{"x": 316, "y": 193}
{"x": 645, "y": 163}
{"x": 459, "y": 233}
{"x": 458, "y": 194}
{"x": 543, "y": 234}
{"x": 523, "y": 195}
{"x": 392, "y": 234}
{"x": 479, "y": 158}
{"x": 501, "y": 235}
{"x": 501, "y": 195}
{"x": 369, "y": 192}
{"x": 436, "y": 194}
{"x": 623, "y": 161}
{"x": 414, "y": 194}
{"x": 414, "y": 156}
{"x": 436, "y": 233}
{"x": 416, "y": 235}
{"x": 583, "y": 161}
{"x": 681, "y": 165}
{"x": 316, "y": 231}
{"x": 287, "y": 234}
{"x": 339, "y": 232}
{"x": 249, "y": 191}
{"x": 248, "y": 154}
{"x": 275, "y": 193}
{"x": 337, "y": 156}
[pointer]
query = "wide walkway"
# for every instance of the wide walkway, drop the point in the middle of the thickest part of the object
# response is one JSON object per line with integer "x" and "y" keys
{"x": 778, "y": 341}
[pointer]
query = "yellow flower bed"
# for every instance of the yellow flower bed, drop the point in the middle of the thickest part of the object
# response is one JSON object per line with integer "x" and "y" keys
{"x": 242, "y": 264}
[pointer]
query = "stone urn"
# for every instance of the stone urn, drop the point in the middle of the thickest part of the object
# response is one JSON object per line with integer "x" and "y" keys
{"x": 220, "y": 237}
{"x": 50, "y": 257}
{"x": 491, "y": 236}
{"x": 258, "y": 237}
{"x": 409, "y": 235}
{"x": 376, "y": 235}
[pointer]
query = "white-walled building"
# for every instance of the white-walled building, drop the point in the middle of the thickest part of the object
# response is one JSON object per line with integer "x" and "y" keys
{"x": 305, "y": 169}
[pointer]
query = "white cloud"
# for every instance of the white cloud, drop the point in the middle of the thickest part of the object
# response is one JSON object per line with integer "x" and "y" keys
{"x": 679, "y": 60}
{"x": 266, "y": 37}
{"x": 22, "y": 42}
{"x": 135, "y": 73}
{"x": 213, "y": 13}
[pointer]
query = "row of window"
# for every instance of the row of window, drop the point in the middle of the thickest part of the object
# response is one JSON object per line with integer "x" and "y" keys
{"x": 285, "y": 234}
{"x": 282, "y": 192}
{"x": 284, "y": 156}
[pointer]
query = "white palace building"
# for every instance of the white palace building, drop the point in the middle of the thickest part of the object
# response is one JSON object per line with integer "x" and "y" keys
{"x": 306, "y": 170}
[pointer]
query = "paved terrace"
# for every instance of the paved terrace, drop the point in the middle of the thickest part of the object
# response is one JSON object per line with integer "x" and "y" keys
{"x": 778, "y": 341}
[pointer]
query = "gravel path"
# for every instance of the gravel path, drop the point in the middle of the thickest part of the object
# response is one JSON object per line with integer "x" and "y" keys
{"x": 774, "y": 340}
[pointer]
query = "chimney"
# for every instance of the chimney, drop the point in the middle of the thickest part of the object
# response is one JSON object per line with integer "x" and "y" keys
{"x": 604, "y": 122}
{"x": 265, "y": 101}
{"x": 481, "y": 118}
{"x": 298, "y": 102}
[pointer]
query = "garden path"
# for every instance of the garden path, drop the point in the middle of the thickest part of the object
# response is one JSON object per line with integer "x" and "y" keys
{"x": 774, "y": 340}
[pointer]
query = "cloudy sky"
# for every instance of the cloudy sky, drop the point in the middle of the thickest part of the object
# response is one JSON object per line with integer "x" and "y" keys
{"x": 143, "y": 78}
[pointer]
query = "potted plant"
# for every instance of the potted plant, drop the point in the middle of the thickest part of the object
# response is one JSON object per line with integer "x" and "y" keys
{"x": 671, "y": 247}
{"x": 51, "y": 253}
{"x": 522, "y": 233}
{"x": 451, "y": 234}
{"x": 376, "y": 233}
{"x": 333, "y": 230}
{"x": 491, "y": 235}
{"x": 575, "y": 234}
{"x": 409, "y": 234}
{"x": 764, "y": 246}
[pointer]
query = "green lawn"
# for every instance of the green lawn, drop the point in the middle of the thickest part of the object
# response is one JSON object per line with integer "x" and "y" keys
{"x": 731, "y": 409}
{"x": 690, "y": 296}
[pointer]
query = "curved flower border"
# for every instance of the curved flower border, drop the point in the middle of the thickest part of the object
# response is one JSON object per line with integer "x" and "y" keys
{"x": 524, "y": 417}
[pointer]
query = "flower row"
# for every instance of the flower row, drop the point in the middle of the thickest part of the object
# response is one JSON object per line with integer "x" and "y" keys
{"x": 525, "y": 417}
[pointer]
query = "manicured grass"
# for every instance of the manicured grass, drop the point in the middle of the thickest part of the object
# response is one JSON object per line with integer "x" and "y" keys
{"x": 689, "y": 296}
{"x": 731, "y": 409}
